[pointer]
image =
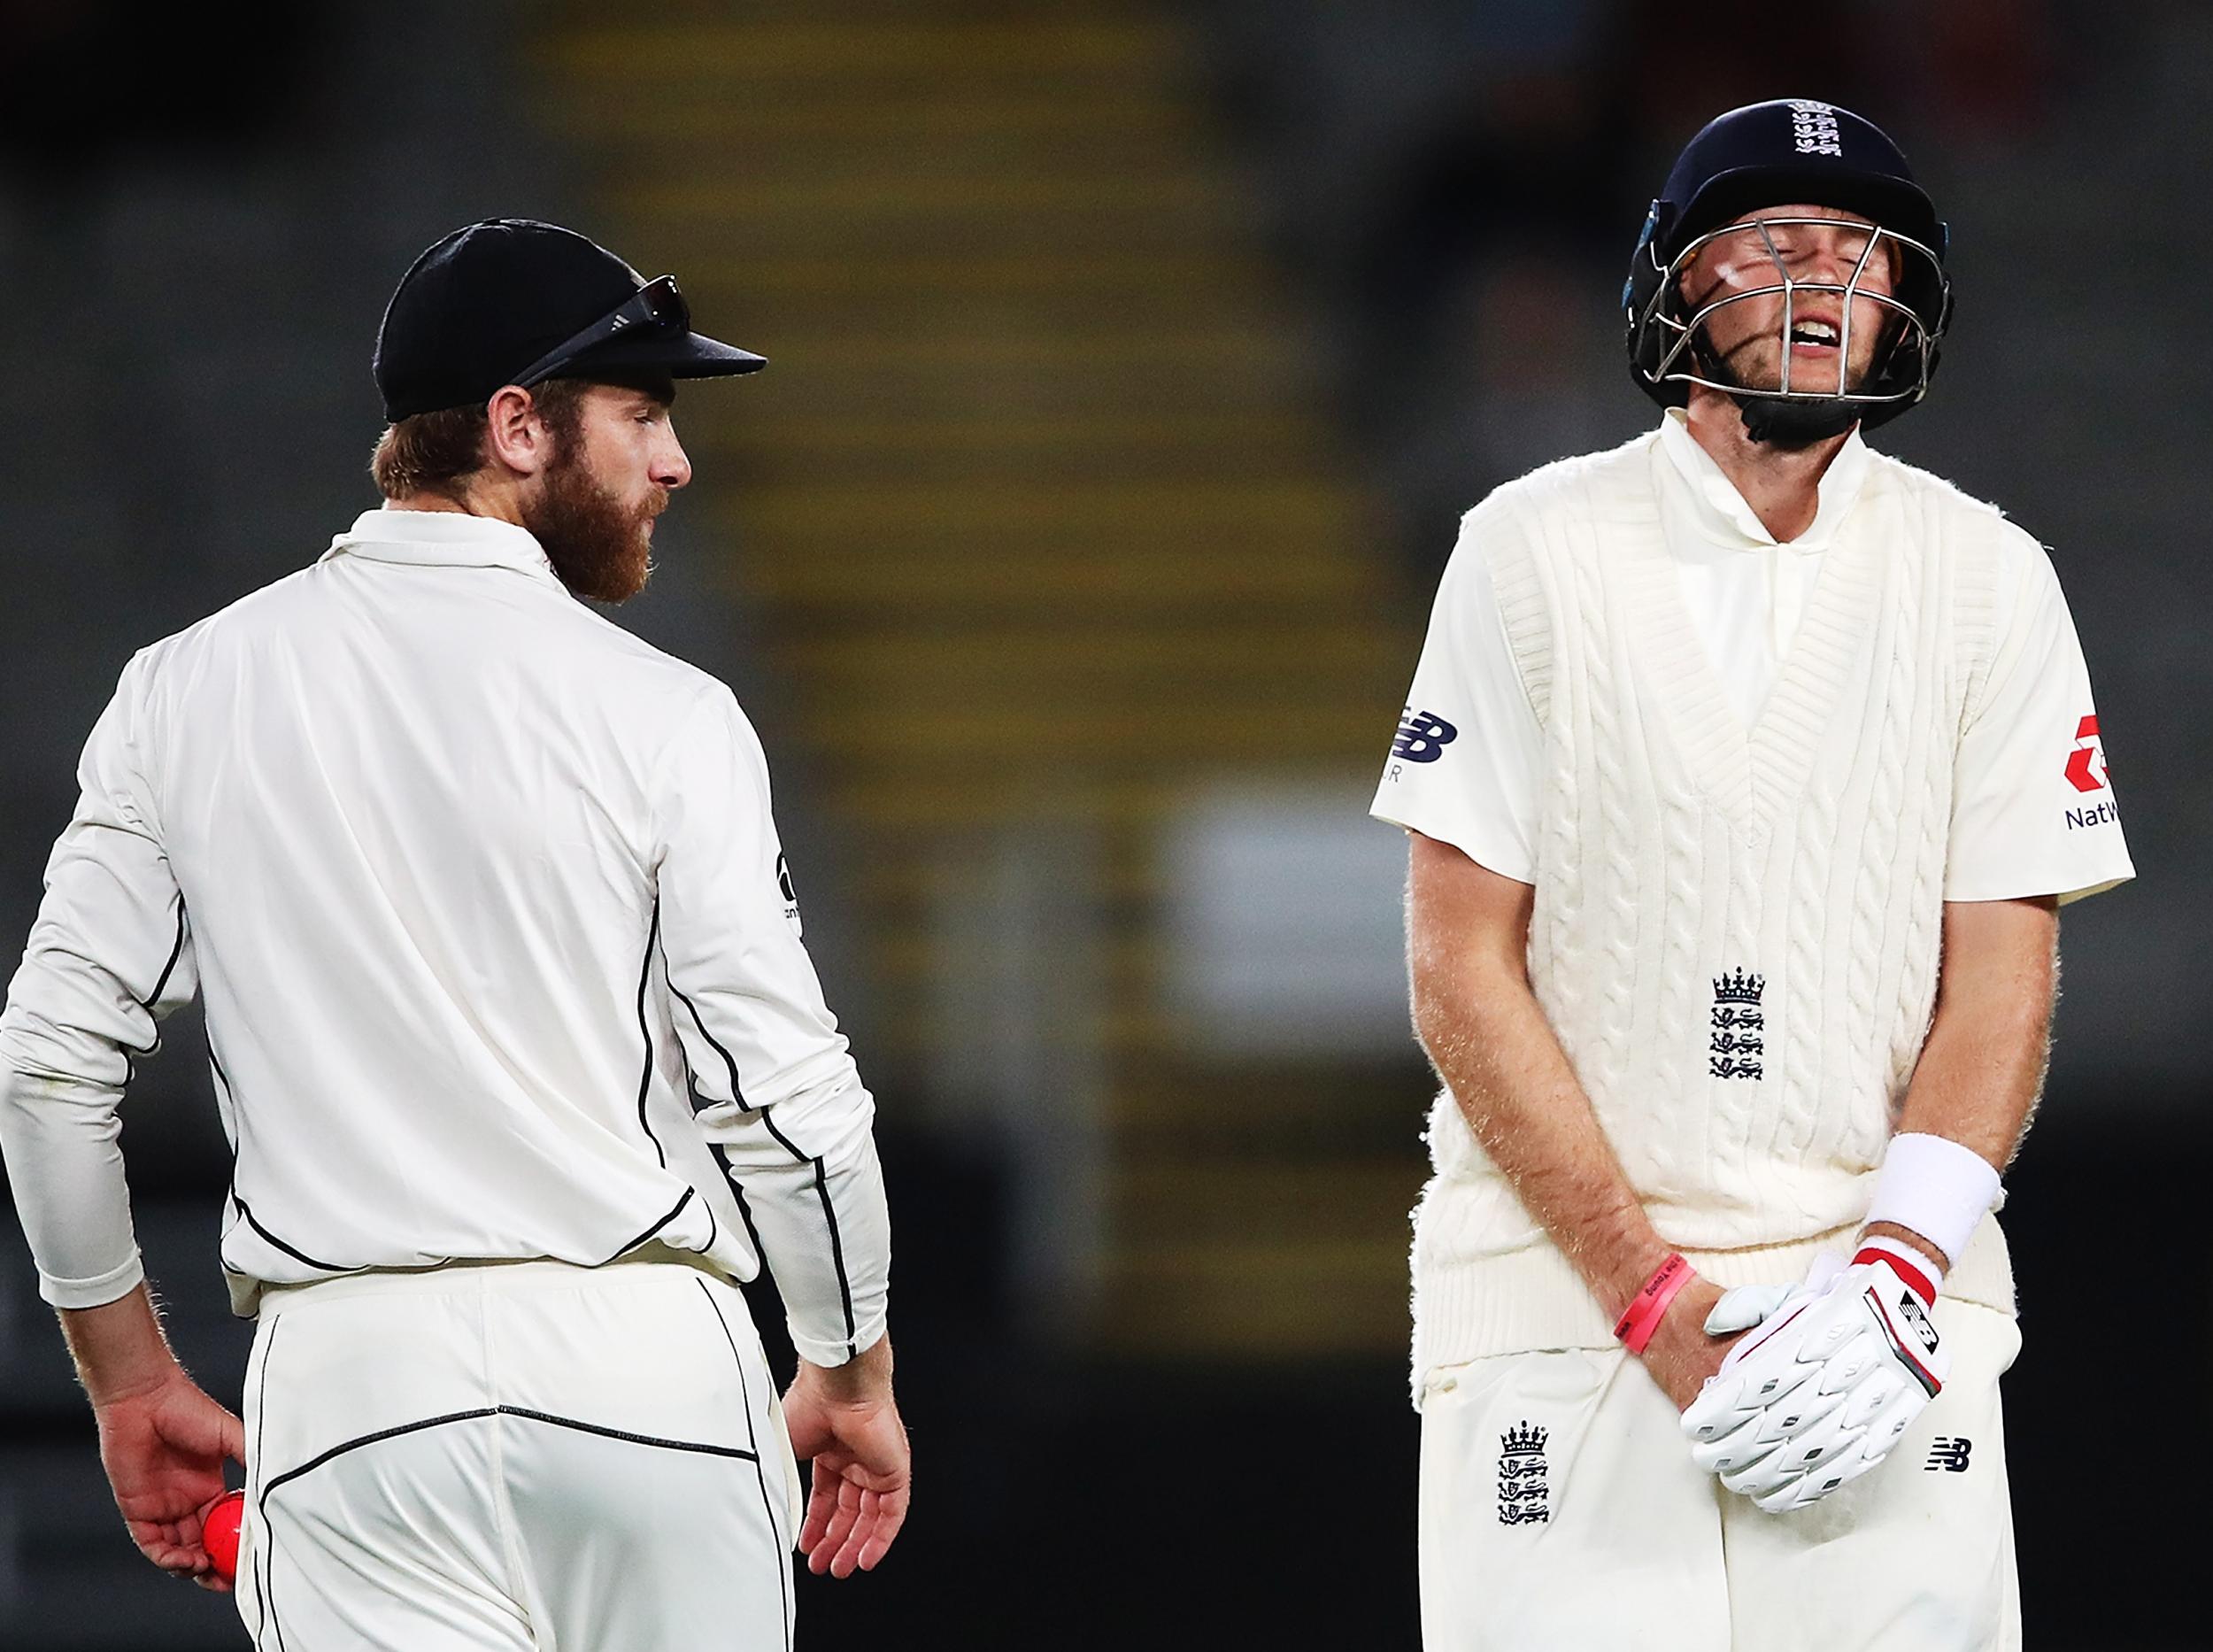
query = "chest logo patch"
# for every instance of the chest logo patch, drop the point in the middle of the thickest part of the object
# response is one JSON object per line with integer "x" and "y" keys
{"x": 1736, "y": 1043}
{"x": 2085, "y": 764}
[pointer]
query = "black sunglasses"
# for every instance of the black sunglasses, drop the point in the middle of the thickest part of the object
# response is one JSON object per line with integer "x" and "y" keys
{"x": 657, "y": 304}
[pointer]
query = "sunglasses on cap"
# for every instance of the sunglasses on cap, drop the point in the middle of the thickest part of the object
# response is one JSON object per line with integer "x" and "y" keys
{"x": 656, "y": 305}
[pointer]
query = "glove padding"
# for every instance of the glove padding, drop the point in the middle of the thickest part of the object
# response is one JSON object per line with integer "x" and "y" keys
{"x": 1836, "y": 1371}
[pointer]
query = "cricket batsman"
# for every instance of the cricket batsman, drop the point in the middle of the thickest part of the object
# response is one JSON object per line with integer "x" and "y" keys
{"x": 1745, "y": 771}
{"x": 522, "y": 1059}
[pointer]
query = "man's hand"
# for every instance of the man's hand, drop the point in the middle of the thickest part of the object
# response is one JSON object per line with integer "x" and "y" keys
{"x": 1681, "y": 1356}
{"x": 1837, "y": 1372}
{"x": 162, "y": 1440}
{"x": 845, "y": 1419}
{"x": 163, "y": 1452}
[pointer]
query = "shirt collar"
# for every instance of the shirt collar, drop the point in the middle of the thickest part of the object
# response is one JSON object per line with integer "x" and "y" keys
{"x": 1720, "y": 511}
{"x": 443, "y": 539}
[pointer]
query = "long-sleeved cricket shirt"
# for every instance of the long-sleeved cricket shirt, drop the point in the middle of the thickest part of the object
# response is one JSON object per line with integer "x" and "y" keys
{"x": 500, "y": 956}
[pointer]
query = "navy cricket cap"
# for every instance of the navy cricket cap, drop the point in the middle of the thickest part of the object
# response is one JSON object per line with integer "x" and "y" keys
{"x": 486, "y": 305}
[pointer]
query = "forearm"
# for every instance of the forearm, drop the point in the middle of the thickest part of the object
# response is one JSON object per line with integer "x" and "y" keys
{"x": 1490, "y": 1042}
{"x": 1982, "y": 1069}
{"x": 119, "y": 1347}
{"x": 1982, "y": 1066}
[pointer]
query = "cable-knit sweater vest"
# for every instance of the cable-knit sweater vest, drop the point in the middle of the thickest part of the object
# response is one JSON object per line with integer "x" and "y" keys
{"x": 1736, "y": 931}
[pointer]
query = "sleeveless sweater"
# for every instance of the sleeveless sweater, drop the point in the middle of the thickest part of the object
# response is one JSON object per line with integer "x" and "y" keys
{"x": 1736, "y": 931}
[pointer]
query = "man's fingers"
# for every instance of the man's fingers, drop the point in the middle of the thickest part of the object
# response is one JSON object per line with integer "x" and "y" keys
{"x": 847, "y": 1509}
{"x": 856, "y": 1535}
{"x": 881, "y": 1514}
{"x": 822, "y": 1503}
{"x": 890, "y": 1515}
{"x": 858, "y": 1528}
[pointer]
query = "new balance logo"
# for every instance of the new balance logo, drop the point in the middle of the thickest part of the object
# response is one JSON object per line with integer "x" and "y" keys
{"x": 1948, "y": 1453}
{"x": 1423, "y": 736}
{"x": 1909, "y": 1309}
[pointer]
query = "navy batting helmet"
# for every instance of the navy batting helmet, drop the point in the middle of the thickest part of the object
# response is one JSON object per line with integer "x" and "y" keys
{"x": 1764, "y": 155}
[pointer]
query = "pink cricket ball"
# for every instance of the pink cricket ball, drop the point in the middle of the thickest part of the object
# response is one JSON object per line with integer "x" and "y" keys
{"x": 218, "y": 1532}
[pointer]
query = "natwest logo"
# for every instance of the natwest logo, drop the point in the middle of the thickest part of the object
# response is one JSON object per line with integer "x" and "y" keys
{"x": 2085, "y": 764}
{"x": 1423, "y": 736}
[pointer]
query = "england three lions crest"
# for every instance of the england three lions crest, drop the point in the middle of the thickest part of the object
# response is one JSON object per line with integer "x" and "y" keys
{"x": 1737, "y": 1027}
{"x": 1524, "y": 1485}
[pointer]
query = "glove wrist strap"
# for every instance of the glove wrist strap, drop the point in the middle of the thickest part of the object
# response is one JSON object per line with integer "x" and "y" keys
{"x": 1641, "y": 1317}
{"x": 1922, "y": 1275}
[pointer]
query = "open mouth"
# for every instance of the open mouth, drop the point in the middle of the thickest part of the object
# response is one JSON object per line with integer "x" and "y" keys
{"x": 1813, "y": 336}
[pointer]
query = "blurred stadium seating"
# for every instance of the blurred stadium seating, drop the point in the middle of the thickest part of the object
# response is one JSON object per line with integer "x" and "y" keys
{"x": 1132, "y": 363}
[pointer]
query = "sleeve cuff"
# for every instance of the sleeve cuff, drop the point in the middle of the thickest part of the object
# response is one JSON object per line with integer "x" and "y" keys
{"x": 838, "y": 1352}
{"x": 1506, "y": 862}
{"x": 96, "y": 1291}
{"x": 2063, "y": 888}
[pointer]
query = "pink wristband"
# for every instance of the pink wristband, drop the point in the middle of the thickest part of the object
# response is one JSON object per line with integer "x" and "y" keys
{"x": 1641, "y": 1317}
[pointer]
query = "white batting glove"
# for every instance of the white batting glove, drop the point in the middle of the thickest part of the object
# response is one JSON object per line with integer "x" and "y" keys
{"x": 1837, "y": 1372}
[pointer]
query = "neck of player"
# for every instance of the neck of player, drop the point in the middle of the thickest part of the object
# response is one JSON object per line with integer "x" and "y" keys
{"x": 1782, "y": 485}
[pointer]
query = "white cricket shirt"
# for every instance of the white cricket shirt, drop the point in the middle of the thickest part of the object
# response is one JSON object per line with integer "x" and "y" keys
{"x": 1743, "y": 780}
{"x": 499, "y": 953}
{"x": 2033, "y": 811}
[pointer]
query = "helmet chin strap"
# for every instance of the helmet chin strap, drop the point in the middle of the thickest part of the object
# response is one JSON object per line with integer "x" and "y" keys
{"x": 1789, "y": 423}
{"x": 1795, "y": 424}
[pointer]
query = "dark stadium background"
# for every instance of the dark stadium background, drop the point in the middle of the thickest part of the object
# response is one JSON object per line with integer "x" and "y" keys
{"x": 1132, "y": 363}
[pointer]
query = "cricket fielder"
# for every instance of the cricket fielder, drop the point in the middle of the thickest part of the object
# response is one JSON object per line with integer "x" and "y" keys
{"x": 512, "y": 1032}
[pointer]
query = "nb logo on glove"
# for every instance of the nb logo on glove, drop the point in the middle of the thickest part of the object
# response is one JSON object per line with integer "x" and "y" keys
{"x": 1916, "y": 1317}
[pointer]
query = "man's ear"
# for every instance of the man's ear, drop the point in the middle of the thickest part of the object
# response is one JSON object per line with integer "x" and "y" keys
{"x": 516, "y": 436}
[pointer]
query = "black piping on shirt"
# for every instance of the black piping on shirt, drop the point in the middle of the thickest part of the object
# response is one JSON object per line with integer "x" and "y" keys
{"x": 645, "y": 1030}
{"x": 738, "y": 1090}
{"x": 176, "y": 951}
{"x": 147, "y": 1003}
{"x": 836, "y": 1239}
{"x": 822, "y": 1175}
{"x": 246, "y": 1210}
{"x": 745, "y": 1210}
{"x": 673, "y": 1211}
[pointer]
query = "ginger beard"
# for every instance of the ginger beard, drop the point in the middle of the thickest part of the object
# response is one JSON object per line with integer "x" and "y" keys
{"x": 599, "y": 542}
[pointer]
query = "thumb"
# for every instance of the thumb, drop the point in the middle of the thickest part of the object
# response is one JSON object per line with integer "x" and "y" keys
{"x": 233, "y": 1438}
{"x": 1744, "y": 1308}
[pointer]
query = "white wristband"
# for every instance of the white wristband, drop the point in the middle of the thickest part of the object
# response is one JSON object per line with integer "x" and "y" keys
{"x": 1935, "y": 1187}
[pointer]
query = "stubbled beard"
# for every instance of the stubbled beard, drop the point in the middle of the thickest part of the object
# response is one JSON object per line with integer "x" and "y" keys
{"x": 1790, "y": 424}
{"x": 601, "y": 547}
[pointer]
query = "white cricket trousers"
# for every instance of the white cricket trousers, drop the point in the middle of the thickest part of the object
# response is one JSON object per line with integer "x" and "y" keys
{"x": 499, "y": 1456}
{"x": 1560, "y": 1510}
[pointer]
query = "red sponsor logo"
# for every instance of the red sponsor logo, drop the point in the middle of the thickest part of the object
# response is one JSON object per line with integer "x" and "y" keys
{"x": 2085, "y": 764}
